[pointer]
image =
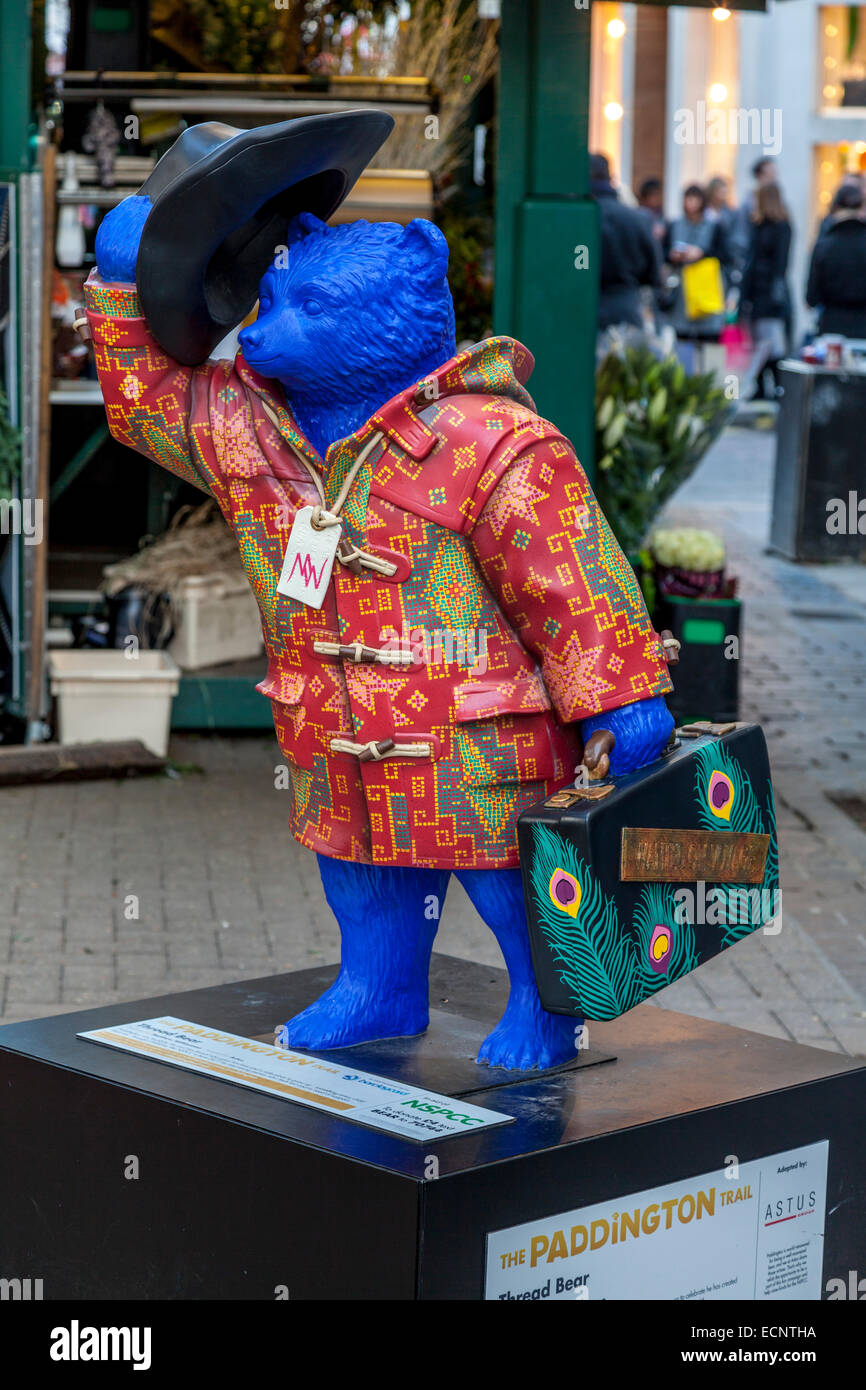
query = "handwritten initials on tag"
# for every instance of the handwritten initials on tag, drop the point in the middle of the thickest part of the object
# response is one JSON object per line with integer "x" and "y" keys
{"x": 309, "y": 560}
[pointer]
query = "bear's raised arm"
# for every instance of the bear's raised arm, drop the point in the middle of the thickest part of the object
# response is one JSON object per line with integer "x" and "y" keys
{"x": 550, "y": 557}
{"x": 149, "y": 398}
{"x": 151, "y": 401}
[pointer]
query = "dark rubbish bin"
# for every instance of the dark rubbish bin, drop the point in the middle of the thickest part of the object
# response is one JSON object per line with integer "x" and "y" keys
{"x": 820, "y": 464}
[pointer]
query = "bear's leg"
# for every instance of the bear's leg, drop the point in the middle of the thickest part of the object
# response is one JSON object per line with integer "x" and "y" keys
{"x": 527, "y": 1035}
{"x": 388, "y": 918}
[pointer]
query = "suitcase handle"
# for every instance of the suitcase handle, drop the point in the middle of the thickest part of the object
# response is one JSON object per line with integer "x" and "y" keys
{"x": 607, "y": 778}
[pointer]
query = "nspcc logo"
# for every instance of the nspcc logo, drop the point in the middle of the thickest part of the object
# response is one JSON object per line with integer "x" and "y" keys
{"x": 456, "y": 1116}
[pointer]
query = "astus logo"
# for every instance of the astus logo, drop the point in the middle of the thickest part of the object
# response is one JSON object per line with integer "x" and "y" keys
{"x": 307, "y": 570}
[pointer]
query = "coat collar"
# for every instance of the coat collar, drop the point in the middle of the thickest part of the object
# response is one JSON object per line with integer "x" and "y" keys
{"x": 496, "y": 366}
{"x": 272, "y": 392}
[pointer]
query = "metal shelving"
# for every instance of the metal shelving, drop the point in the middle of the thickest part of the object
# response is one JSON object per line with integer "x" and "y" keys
{"x": 82, "y": 391}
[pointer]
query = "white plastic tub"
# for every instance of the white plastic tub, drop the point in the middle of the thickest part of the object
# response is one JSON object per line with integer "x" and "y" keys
{"x": 216, "y": 621}
{"x": 105, "y": 695}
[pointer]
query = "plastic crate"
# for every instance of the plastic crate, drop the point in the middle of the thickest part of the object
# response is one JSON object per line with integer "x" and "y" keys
{"x": 106, "y": 695}
{"x": 216, "y": 622}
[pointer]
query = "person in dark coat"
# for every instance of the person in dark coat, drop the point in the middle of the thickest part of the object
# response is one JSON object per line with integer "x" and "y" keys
{"x": 837, "y": 274}
{"x": 629, "y": 258}
{"x": 764, "y": 296}
{"x": 850, "y": 180}
{"x": 650, "y": 203}
{"x": 718, "y": 209}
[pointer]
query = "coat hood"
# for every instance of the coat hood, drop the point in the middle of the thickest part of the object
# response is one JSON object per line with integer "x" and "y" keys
{"x": 494, "y": 367}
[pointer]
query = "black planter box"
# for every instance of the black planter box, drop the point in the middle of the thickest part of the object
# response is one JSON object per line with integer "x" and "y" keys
{"x": 241, "y": 1194}
{"x": 707, "y": 677}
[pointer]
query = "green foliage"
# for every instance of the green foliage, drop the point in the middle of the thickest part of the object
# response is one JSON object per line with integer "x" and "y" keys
{"x": 470, "y": 241}
{"x": 10, "y": 450}
{"x": 256, "y": 36}
{"x": 853, "y": 31}
{"x": 653, "y": 425}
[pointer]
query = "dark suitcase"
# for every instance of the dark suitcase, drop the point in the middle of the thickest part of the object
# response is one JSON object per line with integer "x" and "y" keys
{"x": 632, "y": 883}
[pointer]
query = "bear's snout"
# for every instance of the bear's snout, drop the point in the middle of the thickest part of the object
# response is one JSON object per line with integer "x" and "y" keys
{"x": 250, "y": 338}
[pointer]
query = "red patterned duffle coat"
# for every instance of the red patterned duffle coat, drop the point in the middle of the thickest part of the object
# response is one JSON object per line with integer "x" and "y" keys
{"x": 422, "y": 710}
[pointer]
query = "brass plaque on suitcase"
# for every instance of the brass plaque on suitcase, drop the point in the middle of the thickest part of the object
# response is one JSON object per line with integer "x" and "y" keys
{"x": 652, "y": 854}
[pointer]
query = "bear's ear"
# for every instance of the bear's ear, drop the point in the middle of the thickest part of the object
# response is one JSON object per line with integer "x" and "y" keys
{"x": 427, "y": 249}
{"x": 305, "y": 224}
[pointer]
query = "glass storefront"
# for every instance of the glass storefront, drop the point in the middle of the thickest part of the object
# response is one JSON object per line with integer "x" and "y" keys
{"x": 842, "y": 46}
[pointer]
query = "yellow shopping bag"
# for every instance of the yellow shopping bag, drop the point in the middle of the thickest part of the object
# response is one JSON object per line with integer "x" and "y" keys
{"x": 703, "y": 290}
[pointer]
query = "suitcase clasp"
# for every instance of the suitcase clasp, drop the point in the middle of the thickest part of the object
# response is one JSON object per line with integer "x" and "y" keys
{"x": 569, "y": 796}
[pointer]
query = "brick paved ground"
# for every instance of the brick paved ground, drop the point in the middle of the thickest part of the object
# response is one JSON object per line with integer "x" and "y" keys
{"x": 115, "y": 891}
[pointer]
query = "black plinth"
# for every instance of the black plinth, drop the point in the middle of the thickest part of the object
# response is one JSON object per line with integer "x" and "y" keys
{"x": 242, "y": 1195}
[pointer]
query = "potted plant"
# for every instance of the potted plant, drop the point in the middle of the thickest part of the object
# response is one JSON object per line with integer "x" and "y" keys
{"x": 653, "y": 425}
{"x": 696, "y": 600}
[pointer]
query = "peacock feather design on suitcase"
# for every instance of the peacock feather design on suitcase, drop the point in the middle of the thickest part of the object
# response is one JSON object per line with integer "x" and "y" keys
{"x": 606, "y": 968}
{"x": 726, "y": 800}
{"x": 609, "y": 965}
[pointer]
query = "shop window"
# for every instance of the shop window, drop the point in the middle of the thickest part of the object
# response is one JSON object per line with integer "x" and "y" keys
{"x": 842, "y": 49}
{"x": 833, "y": 165}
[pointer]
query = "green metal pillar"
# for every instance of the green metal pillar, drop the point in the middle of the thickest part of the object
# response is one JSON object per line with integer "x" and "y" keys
{"x": 15, "y": 109}
{"x": 547, "y": 241}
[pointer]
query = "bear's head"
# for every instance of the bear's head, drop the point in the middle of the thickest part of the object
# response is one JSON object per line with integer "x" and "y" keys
{"x": 353, "y": 313}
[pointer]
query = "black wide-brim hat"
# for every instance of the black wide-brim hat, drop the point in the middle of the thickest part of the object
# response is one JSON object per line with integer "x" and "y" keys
{"x": 222, "y": 201}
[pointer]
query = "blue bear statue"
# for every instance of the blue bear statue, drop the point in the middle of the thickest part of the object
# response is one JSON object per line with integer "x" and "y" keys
{"x": 351, "y": 317}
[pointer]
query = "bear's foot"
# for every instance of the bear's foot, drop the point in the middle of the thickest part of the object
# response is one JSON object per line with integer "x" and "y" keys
{"x": 527, "y": 1037}
{"x": 347, "y": 1014}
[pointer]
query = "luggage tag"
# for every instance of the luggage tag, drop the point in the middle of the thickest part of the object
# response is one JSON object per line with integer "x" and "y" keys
{"x": 309, "y": 560}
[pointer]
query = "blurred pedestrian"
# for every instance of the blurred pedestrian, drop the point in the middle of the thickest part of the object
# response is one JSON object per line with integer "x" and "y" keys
{"x": 837, "y": 273}
{"x": 699, "y": 305}
{"x": 628, "y": 253}
{"x": 764, "y": 296}
{"x": 763, "y": 171}
{"x": 719, "y": 207}
{"x": 650, "y": 201}
{"x": 851, "y": 179}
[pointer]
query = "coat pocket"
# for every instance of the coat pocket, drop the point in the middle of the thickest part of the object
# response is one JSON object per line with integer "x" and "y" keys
{"x": 285, "y": 690}
{"x": 503, "y": 730}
